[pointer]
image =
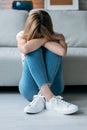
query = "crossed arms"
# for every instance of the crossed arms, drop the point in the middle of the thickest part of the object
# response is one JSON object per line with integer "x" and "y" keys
{"x": 34, "y": 44}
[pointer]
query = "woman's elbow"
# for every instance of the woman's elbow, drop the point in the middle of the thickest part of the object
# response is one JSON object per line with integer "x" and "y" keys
{"x": 63, "y": 52}
{"x": 24, "y": 50}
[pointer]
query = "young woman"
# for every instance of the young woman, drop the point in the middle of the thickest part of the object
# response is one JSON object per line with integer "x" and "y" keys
{"x": 42, "y": 78}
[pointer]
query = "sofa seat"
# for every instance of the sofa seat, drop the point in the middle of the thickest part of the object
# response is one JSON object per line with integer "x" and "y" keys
{"x": 75, "y": 66}
{"x": 10, "y": 66}
{"x": 77, "y": 52}
{"x": 73, "y": 24}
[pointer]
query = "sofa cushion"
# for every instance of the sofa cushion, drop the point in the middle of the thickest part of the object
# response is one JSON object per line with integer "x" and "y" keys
{"x": 76, "y": 52}
{"x": 75, "y": 66}
{"x": 10, "y": 66}
{"x": 73, "y": 24}
{"x": 11, "y": 22}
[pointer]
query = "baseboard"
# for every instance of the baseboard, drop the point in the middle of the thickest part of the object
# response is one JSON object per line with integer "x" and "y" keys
{"x": 5, "y": 89}
{"x": 76, "y": 88}
{"x": 68, "y": 88}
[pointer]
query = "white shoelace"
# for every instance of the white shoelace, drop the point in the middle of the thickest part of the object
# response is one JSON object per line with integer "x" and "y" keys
{"x": 58, "y": 99}
{"x": 35, "y": 98}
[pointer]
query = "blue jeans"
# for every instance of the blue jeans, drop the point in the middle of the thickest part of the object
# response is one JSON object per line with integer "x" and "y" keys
{"x": 40, "y": 68}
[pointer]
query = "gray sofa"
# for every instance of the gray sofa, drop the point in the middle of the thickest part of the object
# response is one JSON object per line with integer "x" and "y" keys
{"x": 11, "y": 22}
{"x": 73, "y": 24}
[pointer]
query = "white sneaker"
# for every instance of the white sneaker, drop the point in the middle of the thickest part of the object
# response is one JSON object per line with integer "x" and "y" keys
{"x": 61, "y": 106}
{"x": 36, "y": 106}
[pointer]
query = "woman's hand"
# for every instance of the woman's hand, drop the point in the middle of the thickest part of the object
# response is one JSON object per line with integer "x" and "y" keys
{"x": 59, "y": 37}
{"x": 59, "y": 49}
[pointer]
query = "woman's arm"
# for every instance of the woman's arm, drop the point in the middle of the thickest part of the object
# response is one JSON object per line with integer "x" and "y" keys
{"x": 29, "y": 46}
{"x": 59, "y": 49}
{"x": 21, "y": 43}
{"x": 34, "y": 44}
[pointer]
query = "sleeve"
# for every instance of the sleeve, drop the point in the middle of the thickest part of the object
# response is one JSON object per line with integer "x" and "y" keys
{"x": 20, "y": 34}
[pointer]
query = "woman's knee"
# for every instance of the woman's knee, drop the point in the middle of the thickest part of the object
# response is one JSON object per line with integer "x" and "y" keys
{"x": 27, "y": 92}
{"x": 24, "y": 92}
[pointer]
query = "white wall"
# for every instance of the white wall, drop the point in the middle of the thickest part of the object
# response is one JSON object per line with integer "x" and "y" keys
{"x": 8, "y": 3}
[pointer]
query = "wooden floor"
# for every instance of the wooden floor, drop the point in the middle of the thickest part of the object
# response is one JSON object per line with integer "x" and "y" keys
{"x": 12, "y": 116}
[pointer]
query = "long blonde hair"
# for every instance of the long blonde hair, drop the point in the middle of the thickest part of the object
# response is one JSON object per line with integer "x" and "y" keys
{"x": 38, "y": 25}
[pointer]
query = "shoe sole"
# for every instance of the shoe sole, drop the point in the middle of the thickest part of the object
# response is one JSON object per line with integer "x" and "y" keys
{"x": 65, "y": 113}
{"x": 27, "y": 112}
{"x": 71, "y": 112}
